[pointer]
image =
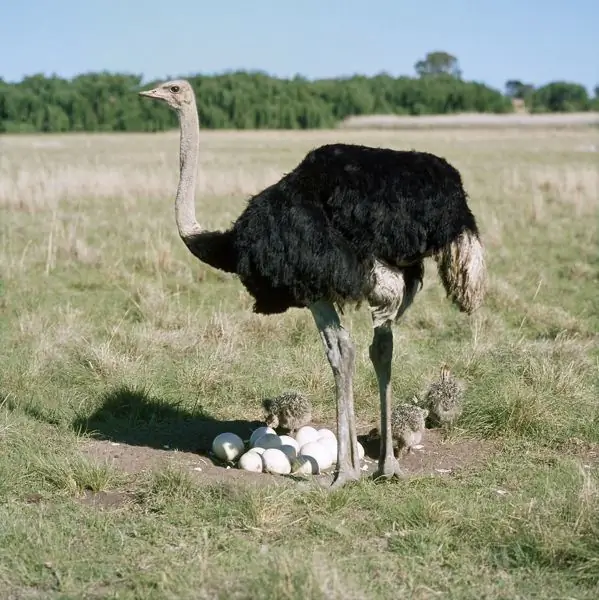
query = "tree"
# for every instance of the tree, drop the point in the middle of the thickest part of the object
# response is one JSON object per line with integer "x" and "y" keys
{"x": 438, "y": 63}
{"x": 514, "y": 88}
{"x": 109, "y": 102}
{"x": 561, "y": 96}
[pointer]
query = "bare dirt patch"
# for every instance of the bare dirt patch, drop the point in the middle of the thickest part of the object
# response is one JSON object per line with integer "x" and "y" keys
{"x": 437, "y": 457}
{"x": 584, "y": 451}
{"x": 105, "y": 500}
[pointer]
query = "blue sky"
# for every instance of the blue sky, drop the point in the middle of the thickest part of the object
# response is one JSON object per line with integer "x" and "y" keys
{"x": 533, "y": 40}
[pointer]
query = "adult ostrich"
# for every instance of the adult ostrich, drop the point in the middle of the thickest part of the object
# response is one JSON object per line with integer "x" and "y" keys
{"x": 349, "y": 224}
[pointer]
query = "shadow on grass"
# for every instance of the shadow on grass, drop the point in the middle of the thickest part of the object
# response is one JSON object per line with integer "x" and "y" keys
{"x": 136, "y": 418}
{"x": 371, "y": 445}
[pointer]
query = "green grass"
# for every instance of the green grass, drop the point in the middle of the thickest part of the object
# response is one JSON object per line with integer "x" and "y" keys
{"x": 110, "y": 329}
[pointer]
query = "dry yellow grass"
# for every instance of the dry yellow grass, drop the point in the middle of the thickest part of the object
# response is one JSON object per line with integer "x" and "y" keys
{"x": 519, "y": 119}
{"x": 59, "y": 179}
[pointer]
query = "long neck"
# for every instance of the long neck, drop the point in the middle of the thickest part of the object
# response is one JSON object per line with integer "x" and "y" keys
{"x": 212, "y": 247}
{"x": 185, "y": 214}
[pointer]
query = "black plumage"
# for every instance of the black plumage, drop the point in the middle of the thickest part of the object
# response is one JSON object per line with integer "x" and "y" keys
{"x": 315, "y": 234}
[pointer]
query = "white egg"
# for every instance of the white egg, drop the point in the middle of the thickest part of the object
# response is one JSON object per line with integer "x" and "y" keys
{"x": 304, "y": 465}
{"x": 331, "y": 446}
{"x": 287, "y": 440}
{"x": 275, "y": 461}
{"x": 319, "y": 453}
{"x": 227, "y": 446}
{"x": 361, "y": 452}
{"x": 306, "y": 434}
{"x": 289, "y": 451}
{"x": 251, "y": 461}
{"x": 268, "y": 440}
{"x": 257, "y": 450}
{"x": 258, "y": 433}
{"x": 326, "y": 433}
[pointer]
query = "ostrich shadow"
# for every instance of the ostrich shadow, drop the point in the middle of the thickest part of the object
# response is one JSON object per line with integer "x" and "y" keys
{"x": 136, "y": 418}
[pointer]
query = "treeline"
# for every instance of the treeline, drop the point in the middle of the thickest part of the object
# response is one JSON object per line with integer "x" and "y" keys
{"x": 253, "y": 100}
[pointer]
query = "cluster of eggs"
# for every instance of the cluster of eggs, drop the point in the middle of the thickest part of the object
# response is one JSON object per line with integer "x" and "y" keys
{"x": 310, "y": 452}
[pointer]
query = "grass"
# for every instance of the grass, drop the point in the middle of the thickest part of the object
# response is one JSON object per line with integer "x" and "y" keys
{"x": 111, "y": 330}
{"x": 477, "y": 120}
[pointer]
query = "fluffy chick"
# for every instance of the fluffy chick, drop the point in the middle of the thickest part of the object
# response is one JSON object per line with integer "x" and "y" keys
{"x": 290, "y": 410}
{"x": 407, "y": 426}
{"x": 443, "y": 399}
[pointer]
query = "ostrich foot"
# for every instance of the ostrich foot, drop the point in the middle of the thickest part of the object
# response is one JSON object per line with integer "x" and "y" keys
{"x": 342, "y": 478}
{"x": 389, "y": 469}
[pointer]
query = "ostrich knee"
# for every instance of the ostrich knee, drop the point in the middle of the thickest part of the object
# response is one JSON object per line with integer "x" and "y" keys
{"x": 381, "y": 351}
{"x": 347, "y": 351}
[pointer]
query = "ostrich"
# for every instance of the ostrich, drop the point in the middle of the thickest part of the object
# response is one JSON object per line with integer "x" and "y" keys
{"x": 349, "y": 223}
{"x": 291, "y": 410}
{"x": 407, "y": 426}
{"x": 443, "y": 399}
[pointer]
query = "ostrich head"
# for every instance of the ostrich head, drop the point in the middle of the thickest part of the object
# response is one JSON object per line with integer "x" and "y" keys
{"x": 177, "y": 94}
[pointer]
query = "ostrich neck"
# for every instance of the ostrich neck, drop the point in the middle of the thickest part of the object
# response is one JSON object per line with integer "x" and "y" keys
{"x": 185, "y": 214}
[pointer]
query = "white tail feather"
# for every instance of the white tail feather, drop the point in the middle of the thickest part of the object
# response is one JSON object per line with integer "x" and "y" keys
{"x": 463, "y": 271}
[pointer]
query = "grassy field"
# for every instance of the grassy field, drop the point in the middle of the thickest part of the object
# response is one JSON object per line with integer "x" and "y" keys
{"x": 121, "y": 356}
{"x": 486, "y": 120}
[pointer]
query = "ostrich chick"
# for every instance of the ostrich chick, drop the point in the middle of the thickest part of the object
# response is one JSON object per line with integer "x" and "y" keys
{"x": 290, "y": 410}
{"x": 443, "y": 399}
{"x": 407, "y": 426}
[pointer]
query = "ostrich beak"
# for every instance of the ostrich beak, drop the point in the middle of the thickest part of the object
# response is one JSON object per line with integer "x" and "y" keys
{"x": 149, "y": 93}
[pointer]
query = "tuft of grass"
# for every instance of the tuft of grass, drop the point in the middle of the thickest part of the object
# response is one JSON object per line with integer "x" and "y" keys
{"x": 541, "y": 390}
{"x": 75, "y": 474}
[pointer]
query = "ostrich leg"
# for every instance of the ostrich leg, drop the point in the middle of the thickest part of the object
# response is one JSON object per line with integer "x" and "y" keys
{"x": 381, "y": 353}
{"x": 341, "y": 354}
{"x": 389, "y": 287}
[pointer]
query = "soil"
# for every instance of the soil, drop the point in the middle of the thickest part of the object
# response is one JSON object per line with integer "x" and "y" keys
{"x": 437, "y": 456}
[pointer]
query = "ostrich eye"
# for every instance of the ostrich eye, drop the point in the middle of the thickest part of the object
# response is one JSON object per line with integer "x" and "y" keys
{"x": 175, "y": 89}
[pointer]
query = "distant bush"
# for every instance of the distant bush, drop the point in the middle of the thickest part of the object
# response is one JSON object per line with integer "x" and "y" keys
{"x": 254, "y": 100}
{"x": 240, "y": 100}
{"x": 560, "y": 96}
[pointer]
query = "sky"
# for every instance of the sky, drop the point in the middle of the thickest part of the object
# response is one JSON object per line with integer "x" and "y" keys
{"x": 536, "y": 41}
